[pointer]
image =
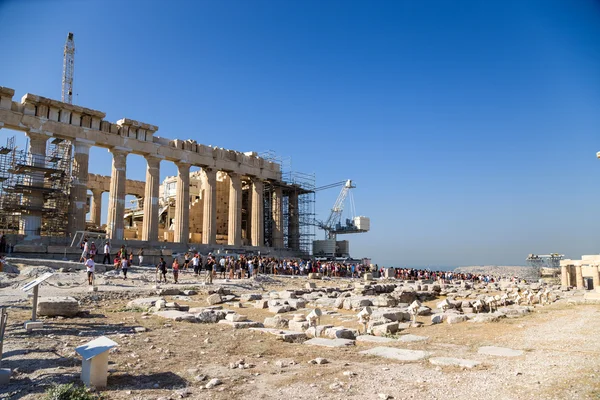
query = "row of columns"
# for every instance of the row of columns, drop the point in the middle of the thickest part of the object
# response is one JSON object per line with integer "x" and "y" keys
{"x": 31, "y": 221}
{"x": 572, "y": 276}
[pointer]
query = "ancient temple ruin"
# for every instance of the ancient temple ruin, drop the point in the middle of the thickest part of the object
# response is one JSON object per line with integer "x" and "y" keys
{"x": 235, "y": 199}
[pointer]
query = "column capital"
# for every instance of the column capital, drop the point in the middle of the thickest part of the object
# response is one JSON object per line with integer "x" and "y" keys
{"x": 210, "y": 173}
{"x": 97, "y": 191}
{"x": 37, "y": 135}
{"x": 153, "y": 161}
{"x": 119, "y": 151}
{"x": 182, "y": 165}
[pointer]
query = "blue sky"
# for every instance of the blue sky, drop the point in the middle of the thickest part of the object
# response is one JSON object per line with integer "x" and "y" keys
{"x": 470, "y": 128}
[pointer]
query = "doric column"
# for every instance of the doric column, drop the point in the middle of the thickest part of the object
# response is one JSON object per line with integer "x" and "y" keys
{"x": 182, "y": 204}
{"x": 596, "y": 277}
{"x": 293, "y": 222}
{"x": 31, "y": 220}
{"x": 258, "y": 223}
{"x": 79, "y": 182}
{"x": 96, "y": 209}
{"x": 209, "y": 221}
{"x": 234, "y": 229}
{"x": 277, "y": 207}
{"x": 564, "y": 276}
{"x": 579, "y": 276}
{"x": 150, "y": 227}
{"x": 116, "y": 199}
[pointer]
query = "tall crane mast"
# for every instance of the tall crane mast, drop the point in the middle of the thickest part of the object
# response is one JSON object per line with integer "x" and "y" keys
{"x": 68, "y": 66}
{"x": 334, "y": 226}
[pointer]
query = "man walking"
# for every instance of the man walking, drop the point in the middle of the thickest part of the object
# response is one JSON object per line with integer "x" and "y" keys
{"x": 210, "y": 265}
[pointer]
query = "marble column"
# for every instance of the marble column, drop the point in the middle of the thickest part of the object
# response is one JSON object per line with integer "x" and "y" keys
{"x": 209, "y": 220}
{"x": 564, "y": 276}
{"x": 579, "y": 276}
{"x": 234, "y": 228}
{"x": 293, "y": 222}
{"x": 258, "y": 223}
{"x": 596, "y": 277}
{"x": 116, "y": 199}
{"x": 182, "y": 204}
{"x": 79, "y": 182}
{"x": 277, "y": 206}
{"x": 96, "y": 209}
{"x": 31, "y": 220}
{"x": 150, "y": 226}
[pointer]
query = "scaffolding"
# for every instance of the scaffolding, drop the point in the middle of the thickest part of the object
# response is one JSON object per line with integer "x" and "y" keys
{"x": 39, "y": 185}
{"x": 298, "y": 183}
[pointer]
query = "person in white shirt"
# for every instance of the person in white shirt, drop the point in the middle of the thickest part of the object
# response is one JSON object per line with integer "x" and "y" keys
{"x": 124, "y": 267}
{"x": 90, "y": 267}
{"x": 106, "y": 259}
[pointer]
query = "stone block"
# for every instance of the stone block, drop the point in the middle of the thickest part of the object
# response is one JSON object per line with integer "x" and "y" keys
{"x": 329, "y": 342}
{"x": 314, "y": 276}
{"x": 241, "y": 324}
{"x": 296, "y": 303}
{"x": 499, "y": 351}
{"x": 144, "y": 303}
{"x": 341, "y": 333}
{"x": 368, "y": 276}
{"x": 298, "y": 326}
{"x": 214, "y": 299}
{"x": 397, "y": 354}
{"x": 279, "y": 309}
{"x": 317, "y": 331}
{"x": 456, "y": 319}
{"x": 233, "y": 317}
{"x": 210, "y": 316}
{"x": 250, "y": 297}
{"x": 385, "y": 329}
{"x": 261, "y": 304}
{"x": 310, "y": 285}
{"x": 58, "y": 306}
{"x": 374, "y": 339}
{"x": 276, "y": 322}
{"x": 31, "y": 325}
{"x": 176, "y": 315}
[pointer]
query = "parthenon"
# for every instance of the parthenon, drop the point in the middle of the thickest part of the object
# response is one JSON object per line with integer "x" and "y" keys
{"x": 240, "y": 188}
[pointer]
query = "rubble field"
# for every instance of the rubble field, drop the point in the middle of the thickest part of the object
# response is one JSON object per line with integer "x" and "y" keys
{"x": 259, "y": 338}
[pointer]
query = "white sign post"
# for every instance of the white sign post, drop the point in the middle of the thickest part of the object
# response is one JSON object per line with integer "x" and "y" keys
{"x": 35, "y": 284}
{"x": 94, "y": 370}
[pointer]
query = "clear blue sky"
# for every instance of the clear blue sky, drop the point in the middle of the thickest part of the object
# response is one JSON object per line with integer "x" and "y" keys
{"x": 469, "y": 127}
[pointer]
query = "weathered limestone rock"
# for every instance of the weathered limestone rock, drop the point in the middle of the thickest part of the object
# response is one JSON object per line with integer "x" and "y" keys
{"x": 210, "y": 316}
{"x": 330, "y": 342}
{"x": 311, "y": 285}
{"x": 280, "y": 309}
{"x": 296, "y": 303}
{"x": 287, "y": 294}
{"x": 276, "y": 322}
{"x": 250, "y": 297}
{"x": 385, "y": 329}
{"x": 397, "y": 354}
{"x": 412, "y": 338}
{"x": 241, "y": 324}
{"x": 317, "y": 331}
{"x": 299, "y": 326}
{"x": 456, "y": 319}
{"x": 143, "y": 303}
{"x": 214, "y": 299}
{"x": 168, "y": 292}
{"x": 261, "y": 304}
{"x": 176, "y": 315}
{"x": 374, "y": 339}
{"x": 58, "y": 306}
{"x": 236, "y": 317}
{"x": 341, "y": 333}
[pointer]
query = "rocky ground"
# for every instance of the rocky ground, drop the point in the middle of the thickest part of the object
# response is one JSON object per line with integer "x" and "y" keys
{"x": 523, "y": 272}
{"x": 545, "y": 351}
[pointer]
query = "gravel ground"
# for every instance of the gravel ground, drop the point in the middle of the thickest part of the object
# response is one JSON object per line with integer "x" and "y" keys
{"x": 523, "y": 272}
{"x": 560, "y": 357}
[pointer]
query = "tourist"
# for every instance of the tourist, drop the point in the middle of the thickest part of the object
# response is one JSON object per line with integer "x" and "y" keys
{"x": 140, "y": 255}
{"x": 124, "y": 266}
{"x": 175, "y": 270}
{"x": 2, "y": 243}
{"x": 186, "y": 260}
{"x": 2, "y": 262}
{"x": 130, "y": 260}
{"x": 90, "y": 267}
{"x": 93, "y": 250}
{"x": 86, "y": 248}
{"x": 162, "y": 268}
{"x": 210, "y": 264}
{"x": 106, "y": 253}
{"x": 196, "y": 264}
{"x": 222, "y": 262}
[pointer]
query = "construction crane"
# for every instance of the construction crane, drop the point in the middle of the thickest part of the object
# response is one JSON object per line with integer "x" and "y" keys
{"x": 333, "y": 226}
{"x": 68, "y": 66}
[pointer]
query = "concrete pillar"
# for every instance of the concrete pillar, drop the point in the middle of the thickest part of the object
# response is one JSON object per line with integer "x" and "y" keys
{"x": 596, "y": 277}
{"x": 116, "y": 200}
{"x": 258, "y": 223}
{"x": 564, "y": 276}
{"x": 182, "y": 204}
{"x": 277, "y": 207}
{"x": 293, "y": 222}
{"x": 31, "y": 220}
{"x": 150, "y": 227}
{"x": 79, "y": 182}
{"x": 234, "y": 229}
{"x": 96, "y": 209}
{"x": 209, "y": 220}
{"x": 579, "y": 277}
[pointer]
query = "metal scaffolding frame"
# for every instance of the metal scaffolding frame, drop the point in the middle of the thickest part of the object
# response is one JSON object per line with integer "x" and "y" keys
{"x": 23, "y": 175}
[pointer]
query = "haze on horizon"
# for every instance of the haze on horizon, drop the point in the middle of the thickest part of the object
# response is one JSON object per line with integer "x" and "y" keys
{"x": 470, "y": 128}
